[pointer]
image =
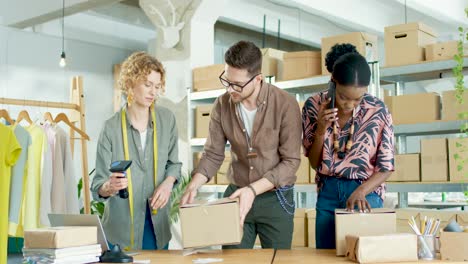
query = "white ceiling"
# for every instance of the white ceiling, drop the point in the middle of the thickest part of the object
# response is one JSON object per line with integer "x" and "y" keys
{"x": 123, "y": 24}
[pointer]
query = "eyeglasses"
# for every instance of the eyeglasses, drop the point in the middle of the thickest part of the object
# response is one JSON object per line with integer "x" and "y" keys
{"x": 236, "y": 87}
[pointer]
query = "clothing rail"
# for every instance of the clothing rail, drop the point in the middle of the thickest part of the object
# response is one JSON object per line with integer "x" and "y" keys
{"x": 77, "y": 114}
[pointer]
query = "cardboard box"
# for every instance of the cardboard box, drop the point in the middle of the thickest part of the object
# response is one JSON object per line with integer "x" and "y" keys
{"x": 221, "y": 176}
{"x": 211, "y": 223}
{"x": 299, "y": 238}
{"x": 272, "y": 63}
{"x": 406, "y": 168}
{"x": 403, "y": 111}
{"x": 302, "y": 64}
{"x": 207, "y": 78}
{"x": 303, "y": 171}
{"x": 202, "y": 120}
{"x": 362, "y": 224}
{"x": 458, "y": 147}
{"x": 462, "y": 218}
{"x": 383, "y": 248}
{"x": 311, "y": 216}
{"x": 434, "y": 160}
{"x": 444, "y": 216}
{"x": 366, "y": 45}
{"x": 402, "y": 216}
{"x": 404, "y": 44}
{"x": 60, "y": 237}
{"x": 454, "y": 246}
{"x": 451, "y": 108}
{"x": 441, "y": 51}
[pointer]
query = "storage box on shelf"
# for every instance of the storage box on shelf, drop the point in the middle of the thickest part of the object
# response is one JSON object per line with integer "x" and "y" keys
{"x": 451, "y": 108}
{"x": 301, "y": 64}
{"x": 407, "y": 168}
{"x": 404, "y": 44}
{"x": 202, "y": 120}
{"x": 441, "y": 51}
{"x": 458, "y": 151}
{"x": 206, "y": 78}
{"x": 366, "y": 45}
{"x": 403, "y": 108}
{"x": 434, "y": 160}
{"x": 272, "y": 63}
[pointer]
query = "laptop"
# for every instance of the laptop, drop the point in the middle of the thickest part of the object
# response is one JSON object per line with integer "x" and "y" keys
{"x": 81, "y": 220}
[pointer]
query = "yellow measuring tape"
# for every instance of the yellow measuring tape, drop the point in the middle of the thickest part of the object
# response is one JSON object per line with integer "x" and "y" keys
{"x": 129, "y": 173}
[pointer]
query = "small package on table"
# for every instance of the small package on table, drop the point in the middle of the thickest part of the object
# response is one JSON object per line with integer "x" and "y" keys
{"x": 60, "y": 237}
{"x": 383, "y": 248}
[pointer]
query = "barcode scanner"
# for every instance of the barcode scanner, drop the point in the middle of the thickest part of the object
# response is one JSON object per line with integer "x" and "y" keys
{"x": 121, "y": 166}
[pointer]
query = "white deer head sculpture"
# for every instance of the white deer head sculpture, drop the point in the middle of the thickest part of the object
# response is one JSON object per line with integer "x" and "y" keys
{"x": 171, "y": 33}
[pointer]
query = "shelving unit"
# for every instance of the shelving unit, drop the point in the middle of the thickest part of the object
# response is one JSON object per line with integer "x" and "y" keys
{"x": 306, "y": 193}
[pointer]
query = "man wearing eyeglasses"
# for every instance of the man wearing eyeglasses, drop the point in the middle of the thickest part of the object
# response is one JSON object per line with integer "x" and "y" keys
{"x": 263, "y": 125}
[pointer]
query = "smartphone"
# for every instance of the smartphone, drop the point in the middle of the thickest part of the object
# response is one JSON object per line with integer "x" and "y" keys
{"x": 331, "y": 94}
{"x": 120, "y": 165}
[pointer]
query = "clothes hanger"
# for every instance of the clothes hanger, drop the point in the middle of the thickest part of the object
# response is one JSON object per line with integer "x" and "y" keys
{"x": 23, "y": 115}
{"x": 4, "y": 114}
{"x": 48, "y": 117}
{"x": 64, "y": 118}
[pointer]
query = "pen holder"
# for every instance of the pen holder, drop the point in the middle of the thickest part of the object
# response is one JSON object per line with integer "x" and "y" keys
{"x": 426, "y": 247}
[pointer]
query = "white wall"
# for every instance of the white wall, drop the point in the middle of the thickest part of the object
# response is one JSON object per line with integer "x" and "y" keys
{"x": 29, "y": 70}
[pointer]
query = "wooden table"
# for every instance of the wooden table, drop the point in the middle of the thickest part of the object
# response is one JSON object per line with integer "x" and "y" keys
{"x": 311, "y": 255}
{"x": 250, "y": 256}
{"x": 253, "y": 256}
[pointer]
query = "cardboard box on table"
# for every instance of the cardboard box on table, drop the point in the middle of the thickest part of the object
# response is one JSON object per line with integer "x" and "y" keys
{"x": 362, "y": 224}
{"x": 60, "y": 237}
{"x": 210, "y": 223}
{"x": 382, "y": 248}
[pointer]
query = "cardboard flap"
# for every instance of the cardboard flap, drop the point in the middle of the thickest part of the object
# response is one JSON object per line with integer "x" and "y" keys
{"x": 396, "y": 29}
{"x": 302, "y": 54}
{"x": 351, "y": 244}
{"x": 208, "y": 203}
{"x": 374, "y": 211}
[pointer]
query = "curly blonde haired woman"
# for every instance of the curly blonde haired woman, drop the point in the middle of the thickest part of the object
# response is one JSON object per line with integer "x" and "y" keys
{"x": 146, "y": 134}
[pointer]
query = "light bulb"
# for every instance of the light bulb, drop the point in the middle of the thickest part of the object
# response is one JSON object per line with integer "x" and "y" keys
{"x": 63, "y": 62}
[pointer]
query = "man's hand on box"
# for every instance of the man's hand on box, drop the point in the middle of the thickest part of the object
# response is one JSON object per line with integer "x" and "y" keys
{"x": 246, "y": 198}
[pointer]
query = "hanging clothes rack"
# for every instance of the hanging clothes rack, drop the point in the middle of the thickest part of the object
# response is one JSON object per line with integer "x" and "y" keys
{"x": 76, "y": 115}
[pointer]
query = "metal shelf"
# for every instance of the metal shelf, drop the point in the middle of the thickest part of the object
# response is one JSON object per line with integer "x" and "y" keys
{"x": 212, "y": 94}
{"x": 391, "y": 187}
{"x": 307, "y": 85}
{"x": 431, "y": 128}
{"x": 428, "y": 70}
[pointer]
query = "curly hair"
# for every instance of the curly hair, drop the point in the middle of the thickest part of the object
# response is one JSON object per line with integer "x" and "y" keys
{"x": 136, "y": 68}
{"x": 337, "y": 51}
